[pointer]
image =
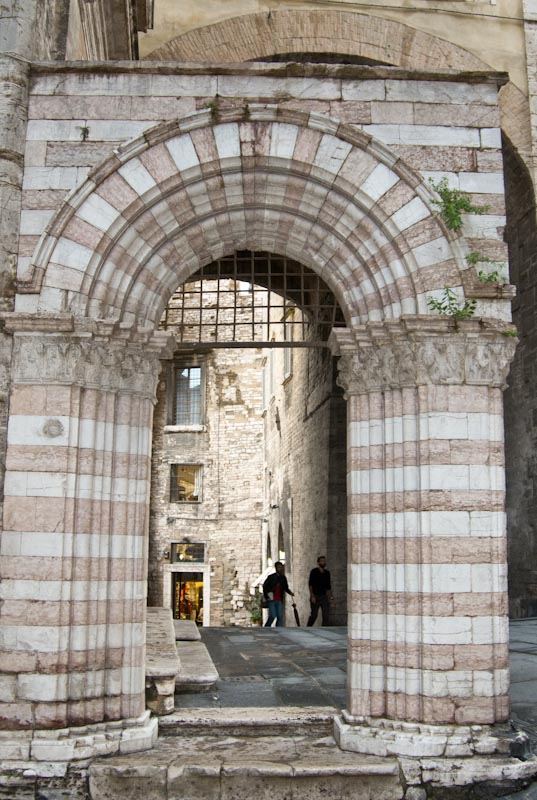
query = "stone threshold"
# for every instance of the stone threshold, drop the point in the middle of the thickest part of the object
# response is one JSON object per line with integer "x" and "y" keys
{"x": 250, "y": 721}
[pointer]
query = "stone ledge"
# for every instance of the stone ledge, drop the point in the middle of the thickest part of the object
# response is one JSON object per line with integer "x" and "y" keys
{"x": 290, "y": 69}
{"x": 161, "y": 662}
{"x": 198, "y": 672}
{"x": 186, "y": 630}
{"x": 251, "y": 721}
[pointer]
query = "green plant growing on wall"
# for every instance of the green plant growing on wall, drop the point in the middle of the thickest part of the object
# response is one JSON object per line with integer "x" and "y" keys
{"x": 252, "y": 604}
{"x": 212, "y": 105}
{"x": 453, "y": 203}
{"x": 450, "y": 305}
{"x": 497, "y": 272}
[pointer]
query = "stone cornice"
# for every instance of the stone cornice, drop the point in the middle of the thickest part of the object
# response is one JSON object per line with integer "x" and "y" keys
{"x": 289, "y": 69}
{"x": 107, "y": 355}
{"x": 416, "y": 351}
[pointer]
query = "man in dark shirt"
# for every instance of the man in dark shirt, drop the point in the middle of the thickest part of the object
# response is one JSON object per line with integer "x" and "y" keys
{"x": 273, "y": 591}
{"x": 320, "y": 592}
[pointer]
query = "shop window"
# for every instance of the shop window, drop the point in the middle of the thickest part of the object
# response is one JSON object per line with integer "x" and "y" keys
{"x": 185, "y": 483}
{"x": 188, "y": 396}
{"x": 183, "y": 552}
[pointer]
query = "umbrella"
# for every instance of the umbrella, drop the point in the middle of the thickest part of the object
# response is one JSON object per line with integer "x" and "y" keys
{"x": 297, "y": 618}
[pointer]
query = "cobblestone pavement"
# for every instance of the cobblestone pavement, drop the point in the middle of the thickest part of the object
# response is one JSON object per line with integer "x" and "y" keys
{"x": 267, "y": 667}
{"x": 523, "y": 661}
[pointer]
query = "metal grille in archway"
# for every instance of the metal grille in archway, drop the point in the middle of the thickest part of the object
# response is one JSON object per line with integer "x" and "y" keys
{"x": 255, "y": 298}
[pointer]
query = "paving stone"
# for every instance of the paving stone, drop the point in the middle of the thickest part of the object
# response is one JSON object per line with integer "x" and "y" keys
{"x": 285, "y": 659}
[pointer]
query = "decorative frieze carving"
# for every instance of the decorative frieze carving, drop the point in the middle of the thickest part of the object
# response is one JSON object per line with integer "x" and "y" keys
{"x": 115, "y": 359}
{"x": 379, "y": 357}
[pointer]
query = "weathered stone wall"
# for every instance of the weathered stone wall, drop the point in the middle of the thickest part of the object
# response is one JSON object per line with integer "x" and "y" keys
{"x": 236, "y": 30}
{"x": 229, "y": 517}
{"x": 521, "y": 396}
{"x": 305, "y": 429}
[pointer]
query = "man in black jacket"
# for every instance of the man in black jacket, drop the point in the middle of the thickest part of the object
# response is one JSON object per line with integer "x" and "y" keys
{"x": 273, "y": 590}
{"x": 320, "y": 592}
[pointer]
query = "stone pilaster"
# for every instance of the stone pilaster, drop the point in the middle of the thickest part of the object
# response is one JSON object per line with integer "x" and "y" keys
{"x": 13, "y": 118}
{"x": 74, "y": 548}
{"x": 428, "y": 632}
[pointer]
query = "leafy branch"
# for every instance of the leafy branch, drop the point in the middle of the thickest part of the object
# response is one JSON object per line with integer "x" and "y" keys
{"x": 453, "y": 203}
{"x": 496, "y": 275}
{"x": 450, "y": 305}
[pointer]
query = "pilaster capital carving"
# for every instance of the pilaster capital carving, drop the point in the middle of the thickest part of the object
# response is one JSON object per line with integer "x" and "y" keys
{"x": 106, "y": 355}
{"x": 415, "y": 351}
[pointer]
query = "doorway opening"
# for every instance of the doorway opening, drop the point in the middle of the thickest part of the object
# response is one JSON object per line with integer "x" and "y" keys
{"x": 249, "y": 472}
{"x": 187, "y": 596}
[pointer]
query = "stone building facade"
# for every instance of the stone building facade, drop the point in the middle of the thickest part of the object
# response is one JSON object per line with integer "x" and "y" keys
{"x": 228, "y": 516}
{"x": 122, "y": 179}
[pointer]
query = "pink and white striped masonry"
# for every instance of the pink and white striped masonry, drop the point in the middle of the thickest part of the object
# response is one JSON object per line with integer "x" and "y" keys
{"x": 428, "y": 634}
{"x": 73, "y": 552}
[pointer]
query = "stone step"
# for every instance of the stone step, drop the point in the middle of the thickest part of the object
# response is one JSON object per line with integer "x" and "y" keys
{"x": 198, "y": 672}
{"x": 227, "y": 768}
{"x": 251, "y": 721}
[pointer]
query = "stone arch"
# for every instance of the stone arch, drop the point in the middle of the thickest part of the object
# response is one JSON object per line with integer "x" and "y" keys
{"x": 256, "y": 36}
{"x": 298, "y": 184}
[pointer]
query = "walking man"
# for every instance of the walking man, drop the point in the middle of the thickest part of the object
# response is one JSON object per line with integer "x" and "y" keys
{"x": 320, "y": 592}
{"x": 274, "y": 588}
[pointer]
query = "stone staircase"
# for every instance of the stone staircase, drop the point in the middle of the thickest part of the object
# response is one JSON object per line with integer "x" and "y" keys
{"x": 246, "y": 754}
{"x": 232, "y": 753}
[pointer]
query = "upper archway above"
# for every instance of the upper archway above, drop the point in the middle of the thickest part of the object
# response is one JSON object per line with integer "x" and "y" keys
{"x": 253, "y": 36}
{"x": 370, "y": 38}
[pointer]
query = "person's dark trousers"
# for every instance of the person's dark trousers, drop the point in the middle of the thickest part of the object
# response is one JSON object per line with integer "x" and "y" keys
{"x": 323, "y": 604}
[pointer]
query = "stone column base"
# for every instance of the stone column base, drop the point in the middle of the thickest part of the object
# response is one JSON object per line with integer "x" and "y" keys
{"x": 446, "y": 756}
{"x": 385, "y": 737}
{"x": 67, "y": 745}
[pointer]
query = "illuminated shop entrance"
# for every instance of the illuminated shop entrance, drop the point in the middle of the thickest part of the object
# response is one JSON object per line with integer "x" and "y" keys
{"x": 187, "y": 595}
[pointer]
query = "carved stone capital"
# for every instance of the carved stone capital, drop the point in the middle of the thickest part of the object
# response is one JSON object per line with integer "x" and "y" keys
{"x": 416, "y": 351}
{"x": 113, "y": 358}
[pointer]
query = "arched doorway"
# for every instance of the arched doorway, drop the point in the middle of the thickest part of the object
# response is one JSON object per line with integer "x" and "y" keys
{"x": 250, "y": 405}
{"x": 424, "y": 502}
